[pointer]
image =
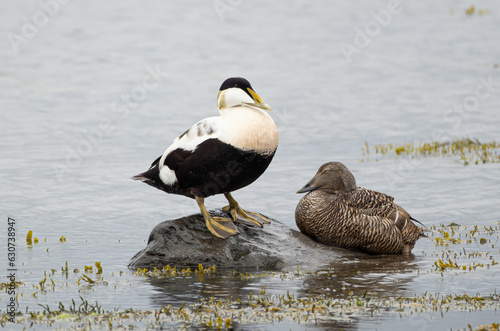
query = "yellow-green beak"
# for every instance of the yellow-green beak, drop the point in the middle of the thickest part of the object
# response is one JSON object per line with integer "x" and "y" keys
{"x": 258, "y": 100}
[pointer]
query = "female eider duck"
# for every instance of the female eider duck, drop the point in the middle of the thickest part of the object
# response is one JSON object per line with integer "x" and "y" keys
{"x": 219, "y": 155}
{"x": 336, "y": 212}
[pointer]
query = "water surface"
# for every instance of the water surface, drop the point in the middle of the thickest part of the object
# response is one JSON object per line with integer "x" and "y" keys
{"x": 71, "y": 138}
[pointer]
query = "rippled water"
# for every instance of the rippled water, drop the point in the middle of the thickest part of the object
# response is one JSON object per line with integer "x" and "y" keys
{"x": 71, "y": 138}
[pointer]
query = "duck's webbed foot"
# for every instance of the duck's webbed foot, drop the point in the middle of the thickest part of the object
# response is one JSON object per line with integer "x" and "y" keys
{"x": 220, "y": 227}
{"x": 242, "y": 216}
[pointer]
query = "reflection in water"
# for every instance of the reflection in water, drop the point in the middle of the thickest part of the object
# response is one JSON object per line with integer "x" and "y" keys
{"x": 358, "y": 274}
{"x": 387, "y": 274}
{"x": 60, "y": 177}
{"x": 178, "y": 290}
{"x": 379, "y": 275}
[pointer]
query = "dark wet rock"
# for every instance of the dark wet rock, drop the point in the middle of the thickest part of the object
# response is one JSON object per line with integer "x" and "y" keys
{"x": 187, "y": 242}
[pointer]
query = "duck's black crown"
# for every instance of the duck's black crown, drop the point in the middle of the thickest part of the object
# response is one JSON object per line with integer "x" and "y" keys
{"x": 238, "y": 82}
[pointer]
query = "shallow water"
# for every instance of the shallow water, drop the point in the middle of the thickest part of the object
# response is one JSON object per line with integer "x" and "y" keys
{"x": 70, "y": 142}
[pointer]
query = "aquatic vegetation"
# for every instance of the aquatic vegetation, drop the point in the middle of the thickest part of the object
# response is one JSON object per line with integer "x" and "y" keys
{"x": 465, "y": 150}
{"x": 473, "y": 236}
{"x": 52, "y": 281}
{"x": 453, "y": 234}
{"x": 99, "y": 268}
{"x": 65, "y": 268}
{"x": 29, "y": 238}
{"x": 89, "y": 268}
{"x": 283, "y": 274}
{"x": 472, "y": 10}
{"x": 255, "y": 309}
{"x": 452, "y": 249}
{"x": 168, "y": 272}
{"x": 487, "y": 327}
{"x": 5, "y": 286}
{"x": 86, "y": 279}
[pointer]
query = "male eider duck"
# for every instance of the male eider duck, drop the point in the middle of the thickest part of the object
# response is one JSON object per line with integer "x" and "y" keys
{"x": 219, "y": 155}
{"x": 336, "y": 212}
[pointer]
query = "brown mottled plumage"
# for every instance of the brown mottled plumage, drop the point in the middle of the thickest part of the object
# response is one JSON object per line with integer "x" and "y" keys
{"x": 336, "y": 212}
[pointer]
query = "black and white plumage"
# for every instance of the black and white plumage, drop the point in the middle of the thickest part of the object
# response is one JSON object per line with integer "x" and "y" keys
{"x": 220, "y": 154}
{"x": 337, "y": 212}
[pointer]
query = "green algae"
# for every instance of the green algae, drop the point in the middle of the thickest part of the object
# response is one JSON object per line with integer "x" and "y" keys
{"x": 486, "y": 327}
{"x": 472, "y": 10}
{"x": 466, "y": 239}
{"x": 172, "y": 272}
{"x": 454, "y": 250}
{"x": 465, "y": 150}
{"x": 255, "y": 309}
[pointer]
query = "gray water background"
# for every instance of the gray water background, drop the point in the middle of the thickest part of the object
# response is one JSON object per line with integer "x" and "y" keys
{"x": 69, "y": 142}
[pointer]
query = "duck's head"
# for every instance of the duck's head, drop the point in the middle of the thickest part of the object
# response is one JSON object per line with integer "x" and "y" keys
{"x": 237, "y": 91}
{"x": 333, "y": 176}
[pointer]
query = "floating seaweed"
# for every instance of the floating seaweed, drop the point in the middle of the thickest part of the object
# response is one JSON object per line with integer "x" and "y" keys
{"x": 458, "y": 249}
{"x": 169, "y": 272}
{"x": 465, "y": 150}
{"x": 487, "y": 327}
{"x": 472, "y": 10}
{"x": 257, "y": 308}
{"x": 30, "y": 239}
{"x": 454, "y": 234}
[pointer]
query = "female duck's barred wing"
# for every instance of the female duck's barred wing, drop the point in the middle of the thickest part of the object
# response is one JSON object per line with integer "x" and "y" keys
{"x": 374, "y": 203}
{"x": 412, "y": 232}
{"x": 378, "y": 204}
{"x": 320, "y": 212}
{"x": 371, "y": 233}
{"x": 392, "y": 222}
{"x": 382, "y": 236}
{"x": 371, "y": 203}
{"x": 366, "y": 199}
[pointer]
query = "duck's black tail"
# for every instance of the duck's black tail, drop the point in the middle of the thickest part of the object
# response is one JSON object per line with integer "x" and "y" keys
{"x": 152, "y": 176}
